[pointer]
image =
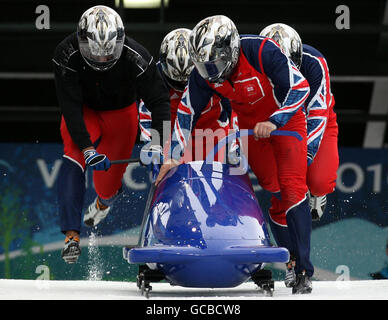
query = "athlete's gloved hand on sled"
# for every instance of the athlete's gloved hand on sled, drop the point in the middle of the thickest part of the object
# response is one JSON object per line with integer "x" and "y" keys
{"x": 96, "y": 160}
{"x": 151, "y": 155}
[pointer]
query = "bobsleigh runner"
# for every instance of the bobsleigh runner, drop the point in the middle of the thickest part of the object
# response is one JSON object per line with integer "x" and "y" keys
{"x": 203, "y": 227}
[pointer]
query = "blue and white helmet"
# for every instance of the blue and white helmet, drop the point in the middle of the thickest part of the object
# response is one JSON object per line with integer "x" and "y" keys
{"x": 214, "y": 47}
{"x": 101, "y": 37}
{"x": 174, "y": 56}
{"x": 288, "y": 40}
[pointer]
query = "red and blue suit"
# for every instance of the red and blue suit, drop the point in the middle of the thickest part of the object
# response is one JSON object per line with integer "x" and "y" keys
{"x": 322, "y": 134}
{"x": 265, "y": 86}
{"x": 322, "y": 127}
{"x": 217, "y": 116}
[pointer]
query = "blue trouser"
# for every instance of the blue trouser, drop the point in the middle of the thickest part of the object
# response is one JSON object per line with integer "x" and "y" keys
{"x": 296, "y": 237}
{"x": 71, "y": 192}
{"x": 282, "y": 237}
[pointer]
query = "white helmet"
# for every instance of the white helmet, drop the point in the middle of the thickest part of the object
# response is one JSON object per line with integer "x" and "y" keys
{"x": 175, "y": 59}
{"x": 101, "y": 37}
{"x": 214, "y": 47}
{"x": 288, "y": 40}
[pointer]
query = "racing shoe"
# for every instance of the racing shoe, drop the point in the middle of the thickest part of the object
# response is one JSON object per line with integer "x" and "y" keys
{"x": 290, "y": 278}
{"x": 303, "y": 284}
{"x": 95, "y": 213}
{"x": 71, "y": 251}
{"x": 318, "y": 206}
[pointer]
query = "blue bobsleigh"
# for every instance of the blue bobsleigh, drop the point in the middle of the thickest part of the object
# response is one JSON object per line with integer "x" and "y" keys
{"x": 203, "y": 227}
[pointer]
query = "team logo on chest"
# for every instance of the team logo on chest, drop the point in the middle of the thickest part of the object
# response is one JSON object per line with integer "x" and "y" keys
{"x": 250, "y": 88}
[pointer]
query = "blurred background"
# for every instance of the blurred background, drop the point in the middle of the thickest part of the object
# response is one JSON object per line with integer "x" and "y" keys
{"x": 352, "y": 233}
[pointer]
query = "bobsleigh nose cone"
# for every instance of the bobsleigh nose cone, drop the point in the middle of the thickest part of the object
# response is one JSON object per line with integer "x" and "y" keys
{"x": 194, "y": 267}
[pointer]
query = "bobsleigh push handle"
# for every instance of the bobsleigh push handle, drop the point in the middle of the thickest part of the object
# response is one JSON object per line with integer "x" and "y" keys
{"x": 244, "y": 133}
{"x": 285, "y": 133}
{"x": 120, "y": 161}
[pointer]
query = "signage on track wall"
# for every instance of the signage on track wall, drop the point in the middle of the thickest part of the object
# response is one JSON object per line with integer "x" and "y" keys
{"x": 351, "y": 235}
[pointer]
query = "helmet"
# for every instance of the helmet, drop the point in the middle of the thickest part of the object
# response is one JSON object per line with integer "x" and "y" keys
{"x": 214, "y": 47}
{"x": 101, "y": 37}
{"x": 288, "y": 40}
{"x": 175, "y": 59}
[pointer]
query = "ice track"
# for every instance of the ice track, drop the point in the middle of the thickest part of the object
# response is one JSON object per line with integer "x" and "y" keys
{"x": 109, "y": 290}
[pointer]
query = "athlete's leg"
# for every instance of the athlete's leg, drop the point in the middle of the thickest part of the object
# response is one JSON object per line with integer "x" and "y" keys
{"x": 322, "y": 173}
{"x": 119, "y": 130}
{"x": 291, "y": 159}
{"x": 70, "y": 195}
{"x": 71, "y": 181}
{"x": 263, "y": 163}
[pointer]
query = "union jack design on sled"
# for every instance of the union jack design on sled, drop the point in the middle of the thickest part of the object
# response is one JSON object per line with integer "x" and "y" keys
{"x": 203, "y": 227}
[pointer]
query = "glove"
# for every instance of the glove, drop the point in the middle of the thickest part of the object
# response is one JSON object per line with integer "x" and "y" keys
{"x": 151, "y": 155}
{"x": 95, "y": 160}
{"x": 152, "y": 158}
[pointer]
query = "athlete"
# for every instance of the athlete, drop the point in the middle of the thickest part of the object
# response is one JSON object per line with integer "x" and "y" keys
{"x": 267, "y": 92}
{"x": 175, "y": 66}
{"x": 99, "y": 74}
{"x": 322, "y": 128}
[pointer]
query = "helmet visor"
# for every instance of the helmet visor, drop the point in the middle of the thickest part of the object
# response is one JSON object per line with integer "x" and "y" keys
{"x": 101, "y": 62}
{"x": 212, "y": 70}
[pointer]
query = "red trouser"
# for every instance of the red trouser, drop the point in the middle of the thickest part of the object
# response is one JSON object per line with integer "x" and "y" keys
{"x": 115, "y": 131}
{"x": 322, "y": 173}
{"x": 280, "y": 165}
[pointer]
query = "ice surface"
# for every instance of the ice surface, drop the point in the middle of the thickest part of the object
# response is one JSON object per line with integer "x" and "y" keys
{"x": 111, "y": 290}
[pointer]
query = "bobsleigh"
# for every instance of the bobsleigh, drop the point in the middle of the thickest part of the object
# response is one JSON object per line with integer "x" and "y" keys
{"x": 203, "y": 227}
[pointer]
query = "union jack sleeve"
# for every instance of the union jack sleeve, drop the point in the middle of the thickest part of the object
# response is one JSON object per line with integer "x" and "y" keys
{"x": 295, "y": 98}
{"x": 195, "y": 98}
{"x": 145, "y": 122}
{"x": 290, "y": 87}
{"x": 316, "y": 71}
